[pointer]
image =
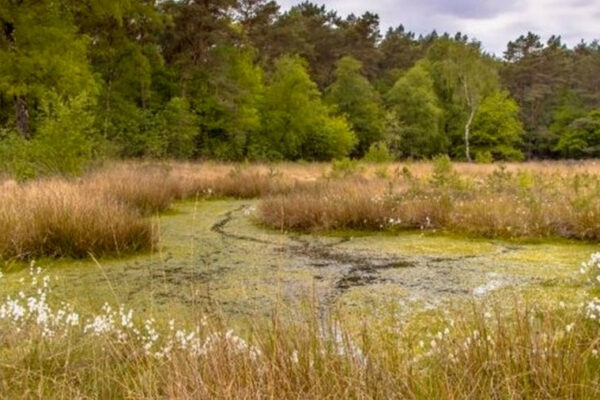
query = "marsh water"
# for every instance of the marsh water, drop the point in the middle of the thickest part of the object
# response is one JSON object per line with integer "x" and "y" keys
{"x": 214, "y": 255}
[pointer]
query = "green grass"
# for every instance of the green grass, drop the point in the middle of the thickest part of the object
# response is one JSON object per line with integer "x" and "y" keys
{"x": 263, "y": 284}
{"x": 195, "y": 267}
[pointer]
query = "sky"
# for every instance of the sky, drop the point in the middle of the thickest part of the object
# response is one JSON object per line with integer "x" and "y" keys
{"x": 493, "y": 22}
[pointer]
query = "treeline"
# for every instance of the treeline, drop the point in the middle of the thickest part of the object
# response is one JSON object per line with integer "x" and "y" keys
{"x": 239, "y": 79}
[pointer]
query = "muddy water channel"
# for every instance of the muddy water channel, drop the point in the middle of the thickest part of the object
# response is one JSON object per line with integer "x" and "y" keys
{"x": 214, "y": 256}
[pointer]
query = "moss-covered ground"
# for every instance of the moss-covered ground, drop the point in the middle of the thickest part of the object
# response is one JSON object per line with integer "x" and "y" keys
{"x": 213, "y": 257}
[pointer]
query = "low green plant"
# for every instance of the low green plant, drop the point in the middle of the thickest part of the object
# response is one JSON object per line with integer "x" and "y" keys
{"x": 443, "y": 171}
{"x": 382, "y": 172}
{"x": 484, "y": 157}
{"x": 378, "y": 153}
{"x": 344, "y": 167}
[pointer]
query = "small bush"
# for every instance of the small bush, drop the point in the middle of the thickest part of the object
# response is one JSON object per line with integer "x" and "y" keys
{"x": 344, "y": 167}
{"x": 484, "y": 157}
{"x": 382, "y": 172}
{"x": 443, "y": 171}
{"x": 378, "y": 153}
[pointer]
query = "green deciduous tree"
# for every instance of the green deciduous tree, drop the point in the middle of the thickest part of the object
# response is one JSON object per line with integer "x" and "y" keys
{"x": 297, "y": 124}
{"x": 226, "y": 95}
{"x": 64, "y": 142}
{"x": 497, "y": 128}
{"x": 41, "y": 52}
{"x": 176, "y": 129}
{"x": 464, "y": 77}
{"x": 581, "y": 138}
{"x": 414, "y": 120}
{"x": 354, "y": 96}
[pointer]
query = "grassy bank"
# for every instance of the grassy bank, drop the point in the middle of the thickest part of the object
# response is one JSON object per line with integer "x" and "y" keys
{"x": 106, "y": 212}
{"x": 500, "y": 203}
{"x": 492, "y": 349}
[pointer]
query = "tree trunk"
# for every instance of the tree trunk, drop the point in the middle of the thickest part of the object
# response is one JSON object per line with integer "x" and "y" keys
{"x": 472, "y": 105}
{"x": 467, "y": 134}
{"x": 22, "y": 116}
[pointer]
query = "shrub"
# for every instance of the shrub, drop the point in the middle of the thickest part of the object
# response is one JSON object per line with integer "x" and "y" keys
{"x": 344, "y": 167}
{"x": 378, "y": 153}
{"x": 443, "y": 171}
{"x": 484, "y": 157}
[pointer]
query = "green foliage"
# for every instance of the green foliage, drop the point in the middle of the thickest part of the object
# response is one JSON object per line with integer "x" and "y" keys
{"x": 497, "y": 129}
{"x": 382, "y": 172}
{"x": 296, "y": 123}
{"x": 43, "y": 52}
{"x": 484, "y": 157}
{"x": 63, "y": 145}
{"x": 344, "y": 167}
{"x": 228, "y": 99}
{"x": 569, "y": 108}
{"x": 216, "y": 80}
{"x": 378, "y": 153}
{"x": 443, "y": 171}
{"x": 463, "y": 77}
{"x": 414, "y": 119}
{"x": 13, "y": 155}
{"x": 177, "y": 129}
{"x": 354, "y": 96}
{"x": 537, "y": 75}
{"x": 581, "y": 138}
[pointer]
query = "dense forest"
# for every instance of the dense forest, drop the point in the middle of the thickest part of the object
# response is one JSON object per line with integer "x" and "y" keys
{"x": 243, "y": 80}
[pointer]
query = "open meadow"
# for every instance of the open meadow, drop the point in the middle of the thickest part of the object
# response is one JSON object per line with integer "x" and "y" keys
{"x": 303, "y": 280}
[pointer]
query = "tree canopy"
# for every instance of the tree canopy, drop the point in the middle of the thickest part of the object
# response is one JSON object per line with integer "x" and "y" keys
{"x": 241, "y": 79}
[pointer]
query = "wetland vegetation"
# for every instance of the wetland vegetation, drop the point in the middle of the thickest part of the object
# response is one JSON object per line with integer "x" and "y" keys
{"x": 217, "y": 299}
{"x": 229, "y": 199}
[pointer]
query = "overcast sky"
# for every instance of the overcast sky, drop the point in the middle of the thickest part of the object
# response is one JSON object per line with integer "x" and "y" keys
{"x": 493, "y": 22}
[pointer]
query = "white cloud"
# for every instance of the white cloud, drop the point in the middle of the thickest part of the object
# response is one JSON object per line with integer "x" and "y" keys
{"x": 493, "y": 22}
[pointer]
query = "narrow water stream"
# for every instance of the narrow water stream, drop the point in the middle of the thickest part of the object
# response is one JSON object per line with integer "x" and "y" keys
{"x": 213, "y": 254}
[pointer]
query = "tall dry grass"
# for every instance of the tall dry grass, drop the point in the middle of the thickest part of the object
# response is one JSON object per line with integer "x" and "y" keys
{"x": 511, "y": 352}
{"x": 106, "y": 212}
{"x": 500, "y": 204}
{"x": 56, "y": 218}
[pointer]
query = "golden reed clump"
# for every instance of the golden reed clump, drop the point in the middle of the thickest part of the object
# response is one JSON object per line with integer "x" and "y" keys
{"x": 499, "y": 202}
{"x": 57, "y": 218}
{"x": 106, "y": 212}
